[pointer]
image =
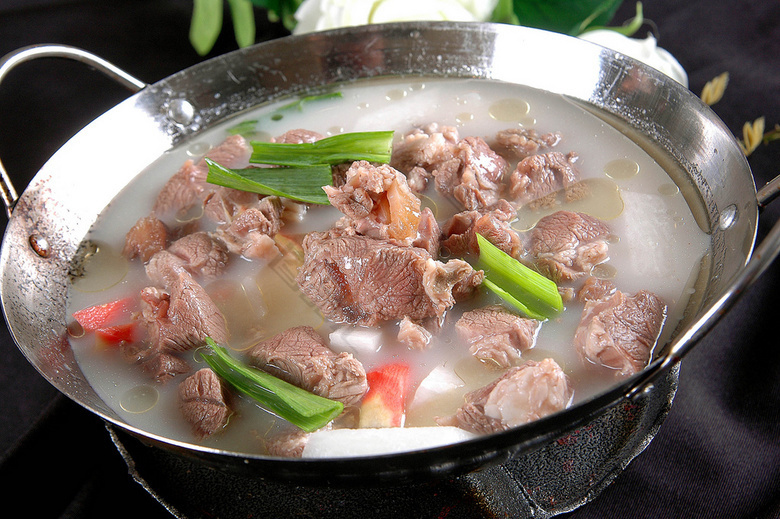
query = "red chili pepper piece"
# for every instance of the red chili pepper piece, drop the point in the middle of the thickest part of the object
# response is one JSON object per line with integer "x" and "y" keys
{"x": 384, "y": 402}
{"x": 99, "y": 316}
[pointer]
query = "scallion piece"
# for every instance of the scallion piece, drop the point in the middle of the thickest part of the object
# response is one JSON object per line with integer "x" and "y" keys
{"x": 337, "y": 149}
{"x": 298, "y": 406}
{"x": 527, "y": 290}
{"x": 302, "y": 183}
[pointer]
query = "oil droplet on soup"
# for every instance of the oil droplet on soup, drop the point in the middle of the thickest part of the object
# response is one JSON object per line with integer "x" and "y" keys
{"x": 668, "y": 189}
{"x": 139, "y": 399}
{"x": 463, "y": 118}
{"x": 102, "y": 267}
{"x": 395, "y": 94}
{"x": 621, "y": 169}
{"x": 604, "y": 271}
{"x": 509, "y": 110}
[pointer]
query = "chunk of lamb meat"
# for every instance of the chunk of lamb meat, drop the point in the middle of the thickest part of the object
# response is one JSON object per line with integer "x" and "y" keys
{"x": 182, "y": 315}
{"x": 201, "y": 254}
{"x": 223, "y": 204}
{"x": 519, "y": 143}
{"x": 148, "y": 236}
{"x": 459, "y": 233}
{"x": 521, "y": 395}
{"x": 301, "y": 357}
{"x": 414, "y": 335}
{"x": 160, "y": 365}
{"x": 359, "y": 280}
{"x": 426, "y": 152}
{"x": 595, "y": 288}
{"x": 619, "y": 332}
{"x": 428, "y": 233}
{"x": 378, "y": 200}
{"x": 188, "y": 186}
{"x": 481, "y": 175}
{"x": 567, "y": 245}
{"x": 536, "y": 178}
{"x": 496, "y": 335}
{"x": 298, "y": 136}
{"x": 289, "y": 444}
{"x": 250, "y": 234}
{"x": 203, "y": 402}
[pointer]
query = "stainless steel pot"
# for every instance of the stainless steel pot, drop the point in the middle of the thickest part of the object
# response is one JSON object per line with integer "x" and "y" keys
{"x": 51, "y": 218}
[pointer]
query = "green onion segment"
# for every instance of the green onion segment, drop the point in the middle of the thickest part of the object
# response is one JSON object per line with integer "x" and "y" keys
{"x": 525, "y": 289}
{"x": 336, "y": 149}
{"x": 302, "y": 183}
{"x": 298, "y": 406}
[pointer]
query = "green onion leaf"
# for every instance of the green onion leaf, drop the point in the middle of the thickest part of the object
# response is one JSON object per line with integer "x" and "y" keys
{"x": 303, "y": 183}
{"x": 337, "y": 149}
{"x": 298, "y": 105}
{"x": 206, "y": 24}
{"x": 527, "y": 290}
{"x": 298, "y": 406}
{"x": 243, "y": 16}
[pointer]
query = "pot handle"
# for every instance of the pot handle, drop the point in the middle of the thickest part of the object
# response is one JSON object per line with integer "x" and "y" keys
{"x": 763, "y": 256}
{"x": 14, "y": 58}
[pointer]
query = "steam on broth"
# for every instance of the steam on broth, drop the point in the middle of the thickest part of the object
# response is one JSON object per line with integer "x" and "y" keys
{"x": 654, "y": 245}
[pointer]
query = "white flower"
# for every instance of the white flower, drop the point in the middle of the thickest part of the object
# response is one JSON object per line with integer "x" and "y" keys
{"x": 645, "y": 50}
{"x": 318, "y": 15}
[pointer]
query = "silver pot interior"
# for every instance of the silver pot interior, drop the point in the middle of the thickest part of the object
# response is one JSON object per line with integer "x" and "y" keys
{"x": 57, "y": 209}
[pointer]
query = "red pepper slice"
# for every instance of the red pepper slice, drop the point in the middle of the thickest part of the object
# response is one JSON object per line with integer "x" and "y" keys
{"x": 99, "y": 316}
{"x": 114, "y": 335}
{"x": 384, "y": 402}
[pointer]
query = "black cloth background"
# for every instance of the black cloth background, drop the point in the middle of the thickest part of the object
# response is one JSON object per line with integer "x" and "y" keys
{"x": 716, "y": 455}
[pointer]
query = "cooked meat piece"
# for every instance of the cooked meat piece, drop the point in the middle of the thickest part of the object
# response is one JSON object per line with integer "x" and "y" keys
{"x": 202, "y": 400}
{"x": 298, "y": 136}
{"x": 428, "y": 233}
{"x": 378, "y": 199}
{"x": 521, "y": 395}
{"x": 223, "y": 204}
{"x": 460, "y": 232}
{"x": 414, "y": 335}
{"x": 595, "y": 288}
{"x": 148, "y": 236}
{"x": 164, "y": 366}
{"x": 496, "y": 335}
{"x": 363, "y": 281}
{"x": 518, "y": 143}
{"x": 538, "y": 176}
{"x": 567, "y": 245}
{"x": 201, "y": 254}
{"x": 481, "y": 174}
{"x": 182, "y": 315}
{"x": 427, "y": 151}
{"x": 301, "y": 357}
{"x": 159, "y": 365}
{"x": 188, "y": 186}
{"x": 620, "y": 332}
{"x": 251, "y": 231}
{"x": 289, "y": 444}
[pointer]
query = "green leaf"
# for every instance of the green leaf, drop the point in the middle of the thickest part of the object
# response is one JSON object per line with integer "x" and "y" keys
{"x": 527, "y": 290}
{"x": 303, "y": 183}
{"x": 298, "y": 406}
{"x": 243, "y": 16}
{"x": 627, "y": 29}
{"x": 206, "y": 25}
{"x": 503, "y": 13}
{"x": 336, "y": 149}
{"x": 566, "y": 16}
{"x": 280, "y": 10}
